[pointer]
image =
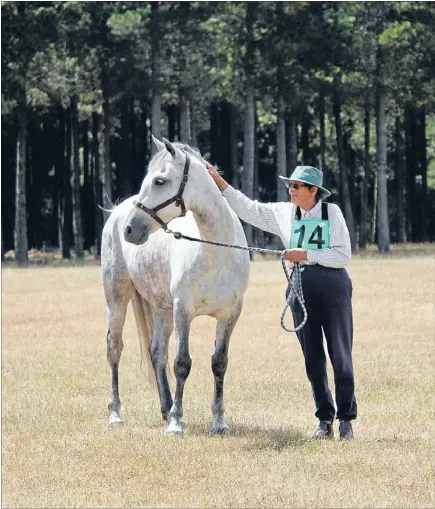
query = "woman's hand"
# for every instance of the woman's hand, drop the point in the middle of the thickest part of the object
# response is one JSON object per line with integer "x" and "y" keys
{"x": 296, "y": 255}
{"x": 220, "y": 182}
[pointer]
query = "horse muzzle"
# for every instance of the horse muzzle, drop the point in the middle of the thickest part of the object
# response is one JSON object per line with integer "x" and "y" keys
{"x": 136, "y": 232}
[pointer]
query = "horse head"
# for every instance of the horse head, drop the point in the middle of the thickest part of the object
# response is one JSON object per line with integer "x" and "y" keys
{"x": 163, "y": 195}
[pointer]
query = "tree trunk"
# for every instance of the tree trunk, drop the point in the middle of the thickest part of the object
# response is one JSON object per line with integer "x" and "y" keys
{"x": 145, "y": 153}
{"x": 423, "y": 171}
{"x": 224, "y": 139}
{"x": 328, "y": 176}
{"x": 97, "y": 184}
{"x": 281, "y": 148}
{"x": 156, "y": 108}
{"x": 256, "y": 195}
{"x": 20, "y": 232}
{"x": 411, "y": 172}
{"x": 193, "y": 125}
{"x": 305, "y": 141}
{"x": 281, "y": 159}
{"x": 39, "y": 164}
{"x": 126, "y": 152}
{"x": 400, "y": 184}
{"x": 59, "y": 177}
{"x": 134, "y": 148}
{"x": 383, "y": 227}
{"x": 215, "y": 133}
{"x": 185, "y": 135}
{"x": 344, "y": 187}
{"x": 249, "y": 131}
{"x": 172, "y": 121}
{"x": 32, "y": 140}
{"x": 87, "y": 189}
{"x": 292, "y": 147}
{"x": 322, "y": 159}
{"x": 75, "y": 181}
{"x": 66, "y": 219}
{"x": 105, "y": 161}
{"x": 373, "y": 238}
{"x": 233, "y": 153}
{"x": 350, "y": 164}
{"x": 85, "y": 143}
{"x": 365, "y": 216}
{"x": 249, "y": 153}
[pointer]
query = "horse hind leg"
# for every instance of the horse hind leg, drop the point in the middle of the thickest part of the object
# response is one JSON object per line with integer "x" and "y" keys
{"x": 116, "y": 314}
{"x": 114, "y": 349}
{"x": 219, "y": 363}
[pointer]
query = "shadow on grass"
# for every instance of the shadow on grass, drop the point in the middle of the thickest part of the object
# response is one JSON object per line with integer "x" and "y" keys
{"x": 276, "y": 439}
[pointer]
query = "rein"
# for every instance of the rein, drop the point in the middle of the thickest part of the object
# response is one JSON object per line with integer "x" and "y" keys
{"x": 294, "y": 279}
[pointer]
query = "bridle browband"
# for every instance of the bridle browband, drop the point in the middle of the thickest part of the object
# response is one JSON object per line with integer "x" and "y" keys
{"x": 178, "y": 199}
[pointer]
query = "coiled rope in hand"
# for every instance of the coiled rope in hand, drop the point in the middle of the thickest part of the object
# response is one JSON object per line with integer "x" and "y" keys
{"x": 294, "y": 279}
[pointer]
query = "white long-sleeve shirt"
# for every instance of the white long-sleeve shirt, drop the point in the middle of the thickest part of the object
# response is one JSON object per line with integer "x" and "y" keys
{"x": 277, "y": 218}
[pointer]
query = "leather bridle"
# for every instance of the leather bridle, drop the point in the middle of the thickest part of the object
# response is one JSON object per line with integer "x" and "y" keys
{"x": 178, "y": 199}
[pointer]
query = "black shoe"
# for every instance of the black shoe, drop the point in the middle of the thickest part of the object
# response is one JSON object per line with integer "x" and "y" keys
{"x": 346, "y": 431}
{"x": 323, "y": 431}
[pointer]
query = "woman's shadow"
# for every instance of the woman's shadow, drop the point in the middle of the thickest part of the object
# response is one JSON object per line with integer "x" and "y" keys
{"x": 276, "y": 439}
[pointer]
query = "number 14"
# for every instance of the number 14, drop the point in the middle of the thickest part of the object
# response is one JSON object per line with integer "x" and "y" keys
{"x": 312, "y": 240}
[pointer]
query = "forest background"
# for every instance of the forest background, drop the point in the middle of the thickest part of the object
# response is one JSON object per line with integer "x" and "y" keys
{"x": 258, "y": 87}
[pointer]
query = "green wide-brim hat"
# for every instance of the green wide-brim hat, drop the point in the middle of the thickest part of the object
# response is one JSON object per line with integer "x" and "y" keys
{"x": 308, "y": 175}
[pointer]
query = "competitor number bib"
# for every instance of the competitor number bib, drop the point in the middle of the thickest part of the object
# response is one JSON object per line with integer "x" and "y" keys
{"x": 310, "y": 234}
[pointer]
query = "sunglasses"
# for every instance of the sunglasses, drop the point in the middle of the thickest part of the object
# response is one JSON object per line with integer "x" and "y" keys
{"x": 290, "y": 185}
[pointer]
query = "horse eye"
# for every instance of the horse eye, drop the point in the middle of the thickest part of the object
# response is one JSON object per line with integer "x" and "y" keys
{"x": 159, "y": 182}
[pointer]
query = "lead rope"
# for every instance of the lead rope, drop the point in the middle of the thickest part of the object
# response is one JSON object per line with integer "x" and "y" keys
{"x": 294, "y": 279}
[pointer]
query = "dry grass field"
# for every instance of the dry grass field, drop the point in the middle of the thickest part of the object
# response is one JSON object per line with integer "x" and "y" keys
{"x": 57, "y": 450}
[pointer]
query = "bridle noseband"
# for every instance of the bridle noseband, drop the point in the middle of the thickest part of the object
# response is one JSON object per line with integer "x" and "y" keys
{"x": 178, "y": 199}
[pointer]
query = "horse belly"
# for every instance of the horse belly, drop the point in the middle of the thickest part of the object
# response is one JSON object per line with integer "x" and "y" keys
{"x": 217, "y": 297}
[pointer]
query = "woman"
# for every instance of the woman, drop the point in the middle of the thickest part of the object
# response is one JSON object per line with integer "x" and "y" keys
{"x": 317, "y": 237}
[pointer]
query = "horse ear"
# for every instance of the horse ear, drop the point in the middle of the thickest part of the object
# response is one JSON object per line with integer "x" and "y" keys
{"x": 169, "y": 147}
{"x": 158, "y": 143}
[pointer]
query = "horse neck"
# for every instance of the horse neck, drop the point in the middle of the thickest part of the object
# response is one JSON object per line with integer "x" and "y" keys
{"x": 212, "y": 214}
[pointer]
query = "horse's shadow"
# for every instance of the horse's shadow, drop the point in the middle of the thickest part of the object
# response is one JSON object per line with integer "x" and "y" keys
{"x": 276, "y": 439}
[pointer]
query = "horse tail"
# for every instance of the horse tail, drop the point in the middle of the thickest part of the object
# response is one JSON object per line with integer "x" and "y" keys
{"x": 145, "y": 325}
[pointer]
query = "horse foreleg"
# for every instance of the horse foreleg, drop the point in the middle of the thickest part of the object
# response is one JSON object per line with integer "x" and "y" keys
{"x": 114, "y": 401}
{"x": 182, "y": 365}
{"x": 219, "y": 363}
{"x": 159, "y": 356}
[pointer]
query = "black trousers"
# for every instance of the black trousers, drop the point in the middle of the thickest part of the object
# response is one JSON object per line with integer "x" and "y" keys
{"x": 328, "y": 299}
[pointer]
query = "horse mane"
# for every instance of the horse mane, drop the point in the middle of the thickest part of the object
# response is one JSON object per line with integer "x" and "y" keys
{"x": 187, "y": 148}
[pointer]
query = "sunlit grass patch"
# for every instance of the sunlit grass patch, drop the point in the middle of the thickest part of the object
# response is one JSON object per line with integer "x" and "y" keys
{"x": 57, "y": 450}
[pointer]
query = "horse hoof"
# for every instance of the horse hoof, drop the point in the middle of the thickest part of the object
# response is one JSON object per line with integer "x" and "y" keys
{"x": 220, "y": 430}
{"x": 174, "y": 429}
{"x": 174, "y": 432}
{"x": 115, "y": 421}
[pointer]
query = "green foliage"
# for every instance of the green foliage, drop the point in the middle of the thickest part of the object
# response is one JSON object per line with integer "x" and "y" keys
{"x": 59, "y": 49}
{"x": 65, "y": 45}
{"x": 127, "y": 24}
{"x": 396, "y": 32}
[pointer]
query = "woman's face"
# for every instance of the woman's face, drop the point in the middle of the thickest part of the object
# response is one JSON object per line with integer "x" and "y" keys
{"x": 301, "y": 194}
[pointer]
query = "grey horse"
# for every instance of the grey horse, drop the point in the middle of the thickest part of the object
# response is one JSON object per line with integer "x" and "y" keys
{"x": 172, "y": 281}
